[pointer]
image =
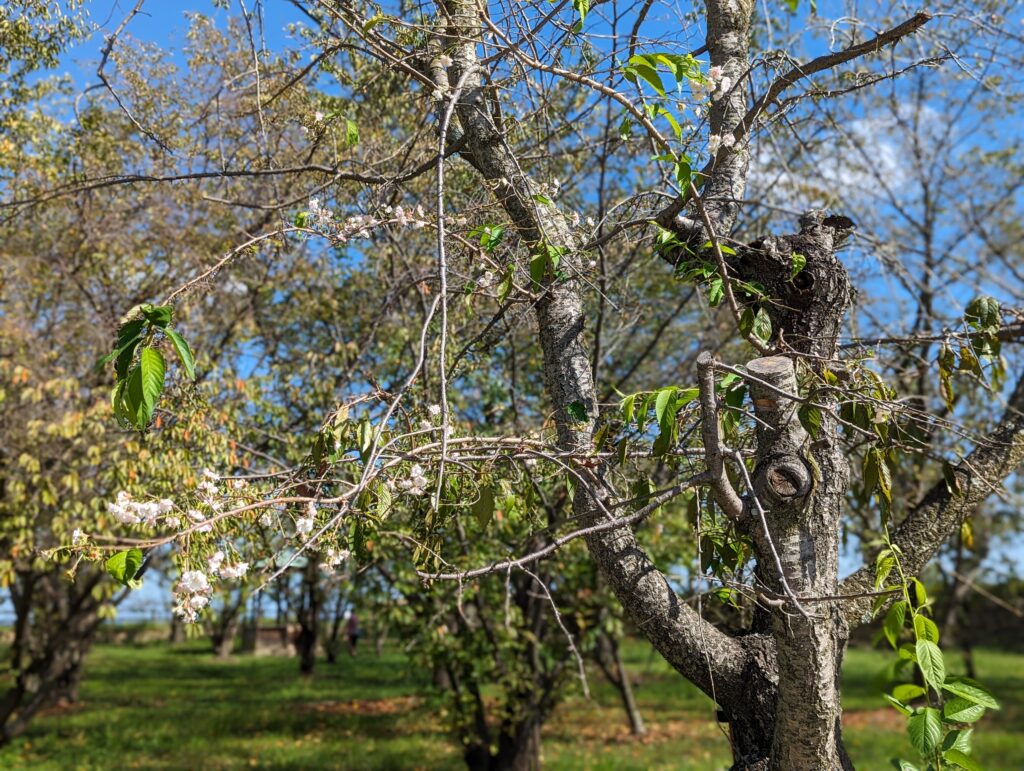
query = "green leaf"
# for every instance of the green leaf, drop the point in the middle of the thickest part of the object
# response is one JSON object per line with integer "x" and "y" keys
{"x": 384, "y": 501}
{"x": 762, "y": 326}
{"x": 958, "y": 739}
{"x": 716, "y": 291}
{"x": 971, "y": 690}
{"x": 893, "y": 624}
{"x": 640, "y": 67}
{"x": 627, "y": 405}
{"x": 505, "y": 287}
{"x": 960, "y": 710}
{"x": 903, "y": 765}
{"x": 810, "y": 419}
{"x": 918, "y": 594}
{"x": 373, "y": 21}
{"x": 125, "y": 357}
{"x": 130, "y": 330}
{"x": 158, "y": 316}
{"x": 351, "y": 133}
{"x": 184, "y": 353}
{"x": 578, "y": 412}
{"x": 581, "y": 7}
{"x": 907, "y": 692}
{"x": 903, "y": 708}
{"x": 124, "y": 565}
{"x": 983, "y": 312}
{"x": 483, "y": 508}
{"x": 925, "y": 629}
{"x": 799, "y": 263}
{"x": 925, "y": 729}
{"x": 145, "y": 384}
{"x": 962, "y": 759}
{"x": 884, "y": 563}
{"x": 625, "y": 129}
{"x": 665, "y": 396}
{"x": 538, "y": 268}
{"x": 364, "y": 435}
{"x": 929, "y": 659}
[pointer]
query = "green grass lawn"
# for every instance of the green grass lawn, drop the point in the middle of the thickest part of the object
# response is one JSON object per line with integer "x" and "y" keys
{"x": 156, "y": 707}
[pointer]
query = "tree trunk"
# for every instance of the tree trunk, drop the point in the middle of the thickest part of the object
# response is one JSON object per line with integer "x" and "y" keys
{"x": 177, "y": 632}
{"x": 309, "y": 616}
{"x": 49, "y": 664}
{"x": 609, "y": 659}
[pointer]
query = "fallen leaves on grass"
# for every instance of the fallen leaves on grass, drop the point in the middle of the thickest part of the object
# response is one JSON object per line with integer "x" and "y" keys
{"x": 393, "y": 706}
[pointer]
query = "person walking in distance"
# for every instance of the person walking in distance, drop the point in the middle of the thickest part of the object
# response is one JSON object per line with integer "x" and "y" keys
{"x": 352, "y": 628}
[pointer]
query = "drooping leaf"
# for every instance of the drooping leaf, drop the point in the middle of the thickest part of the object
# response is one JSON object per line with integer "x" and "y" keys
{"x": 761, "y": 327}
{"x": 351, "y": 133}
{"x": 899, "y": 705}
{"x": 925, "y": 629}
{"x": 893, "y": 624}
{"x": 929, "y": 659}
{"x": 983, "y": 312}
{"x": 483, "y": 507}
{"x": 925, "y": 729}
{"x": 810, "y": 419}
{"x": 665, "y": 396}
{"x": 185, "y": 356}
{"x": 627, "y": 408}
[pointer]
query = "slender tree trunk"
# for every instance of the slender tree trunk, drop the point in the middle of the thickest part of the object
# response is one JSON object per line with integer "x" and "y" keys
{"x": 609, "y": 659}
{"x": 177, "y": 632}
{"x": 309, "y": 616}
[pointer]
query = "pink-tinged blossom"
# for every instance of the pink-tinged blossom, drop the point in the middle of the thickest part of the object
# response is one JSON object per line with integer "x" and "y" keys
{"x": 188, "y": 606}
{"x": 214, "y": 561}
{"x": 235, "y": 571}
{"x": 193, "y": 582}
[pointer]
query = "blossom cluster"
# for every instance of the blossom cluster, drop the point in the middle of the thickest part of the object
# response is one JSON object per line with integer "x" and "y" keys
{"x": 360, "y": 225}
{"x": 230, "y": 571}
{"x": 332, "y": 558}
{"x": 304, "y": 525}
{"x": 717, "y": 83}
{"x": 131, "y": 512}
{"x": 416, "y": 483}
{"x": 715, "y": 142}
{"x": 191, "y": 594}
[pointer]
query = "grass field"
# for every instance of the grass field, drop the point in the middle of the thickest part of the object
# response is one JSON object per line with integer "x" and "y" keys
{"x": 157, "y": 707}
